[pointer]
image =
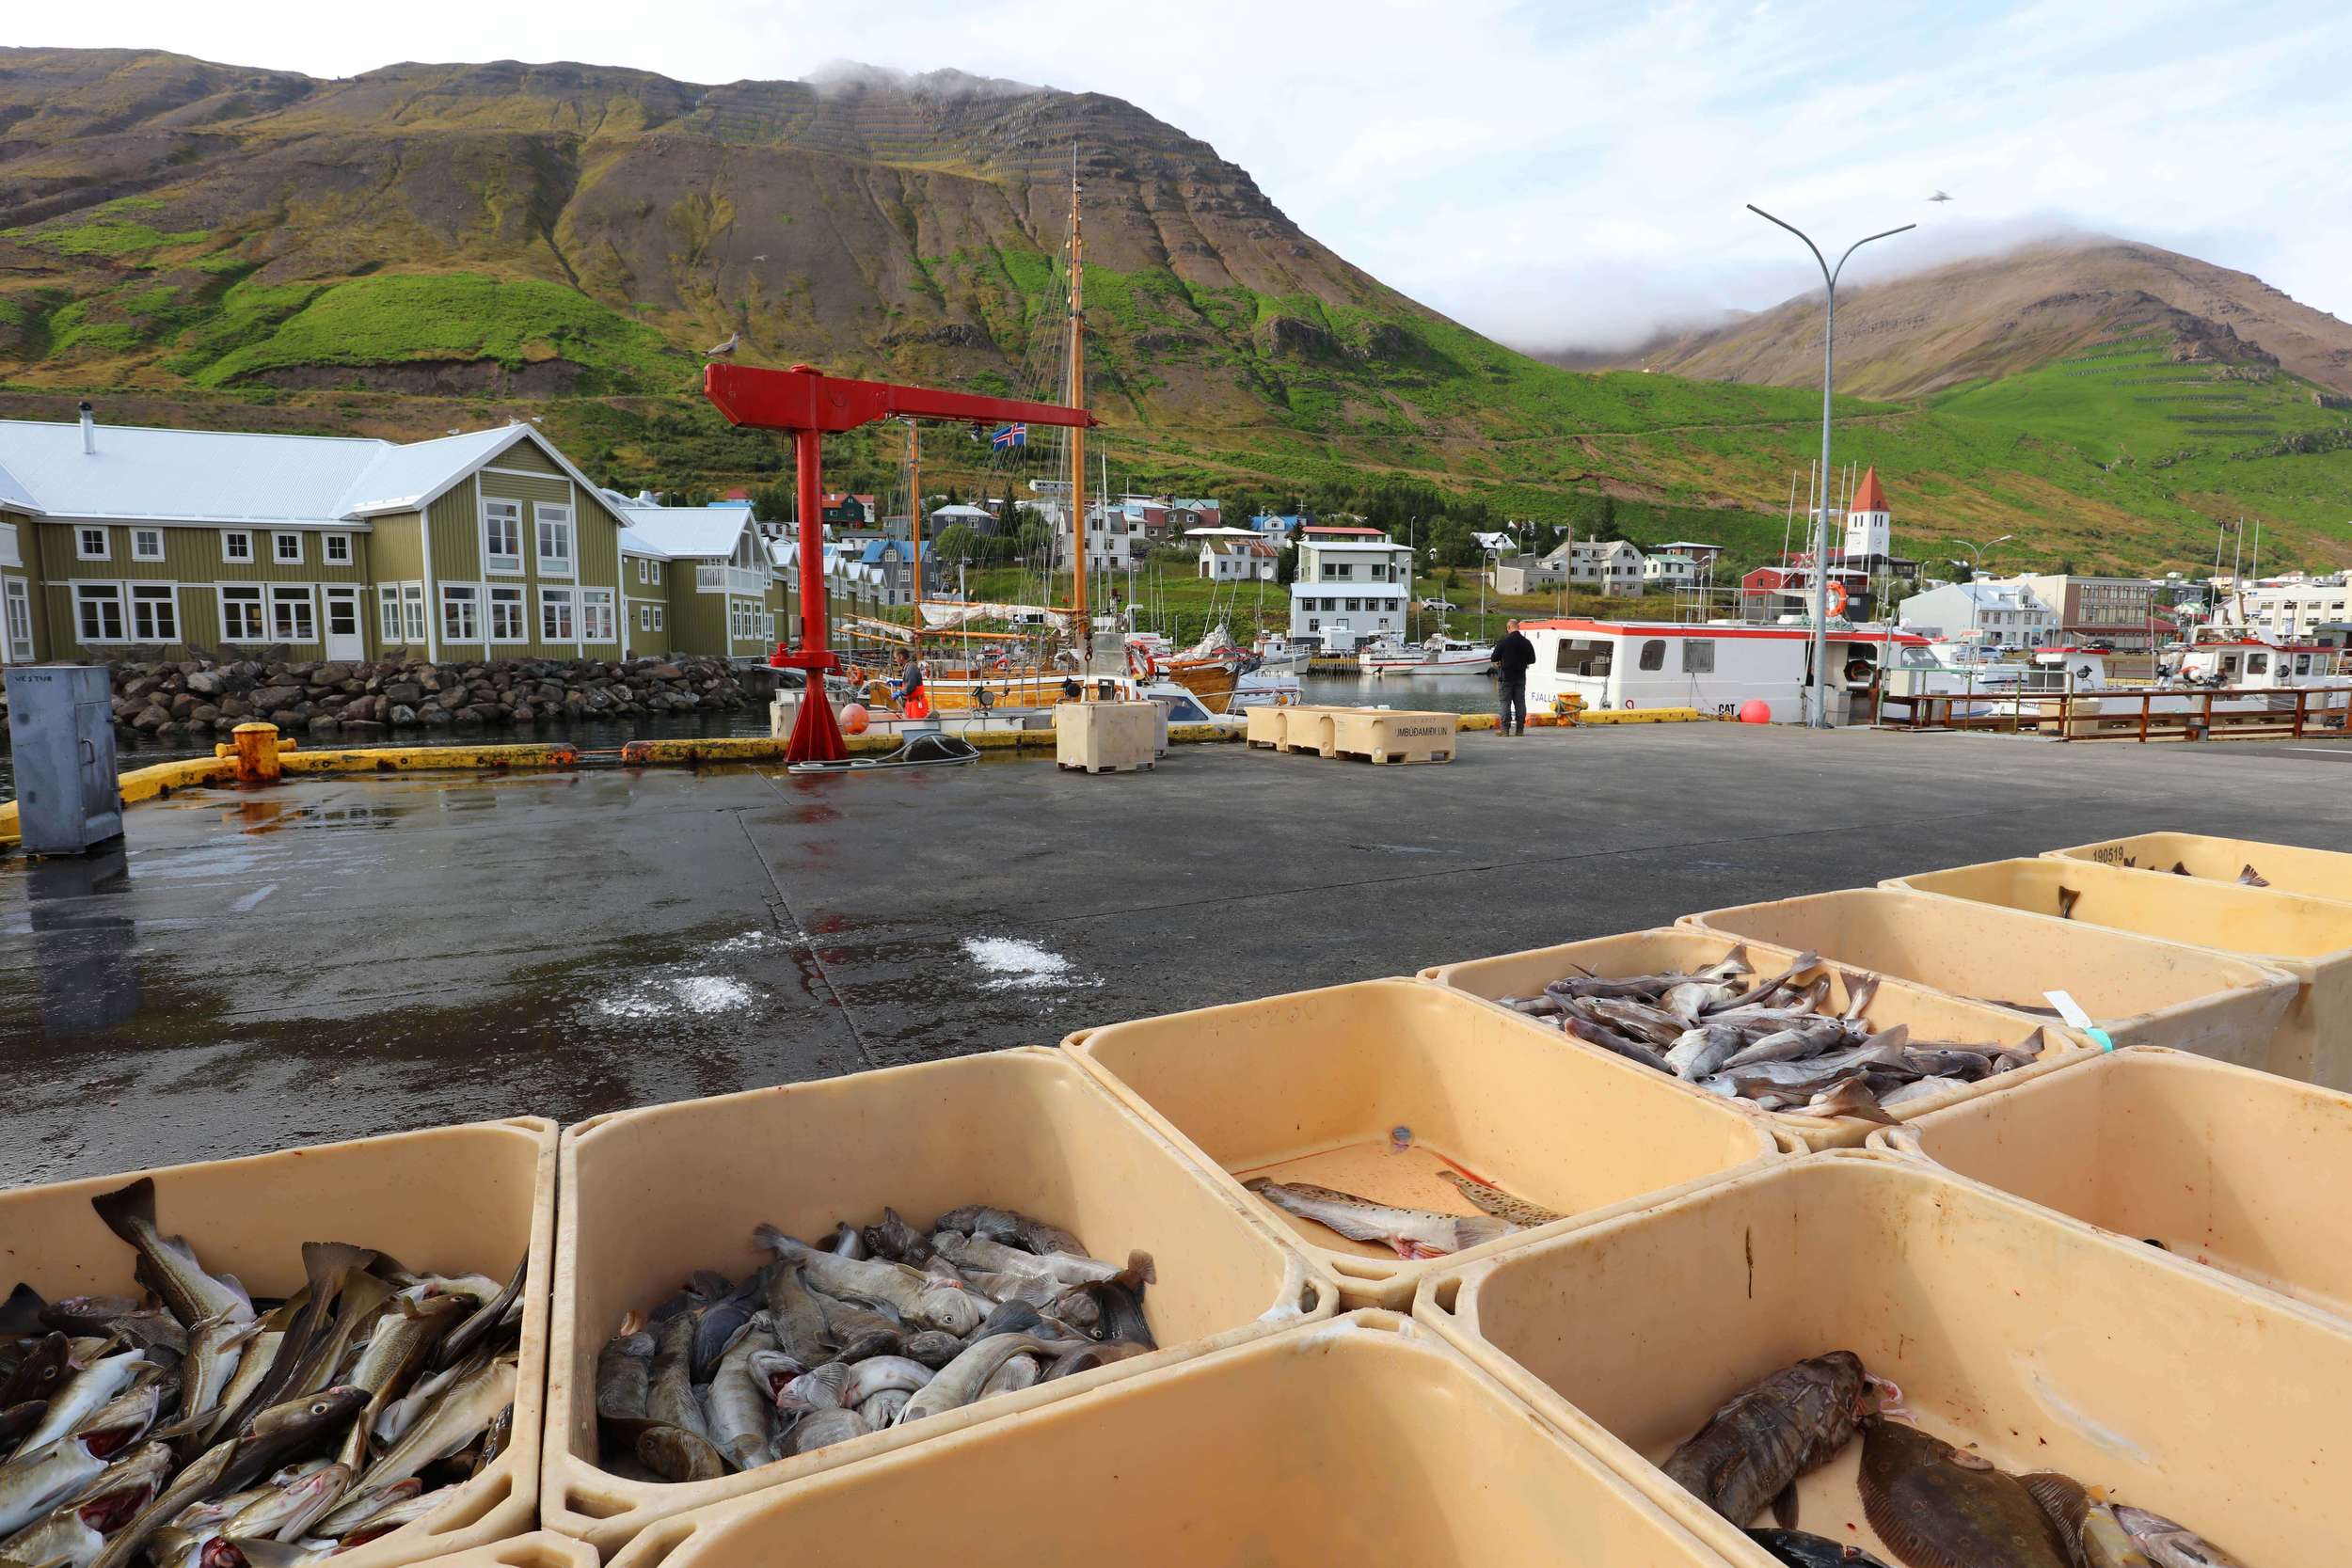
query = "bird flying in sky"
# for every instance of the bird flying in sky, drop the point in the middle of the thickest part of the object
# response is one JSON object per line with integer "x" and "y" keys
{"x": 1939, "y": 197}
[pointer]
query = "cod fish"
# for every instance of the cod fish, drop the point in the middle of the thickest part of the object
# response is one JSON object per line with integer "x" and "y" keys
{"x": 1499, "y": 1203}
{"x": 920, "y": 1300}
{"x": 1800, "y": 1550}
{"x": 167, "y": 1264}
{"x": 1936, "y": 1506}
{"x": 1409, "y": 1232}
{"x": 1752, "y": 1451}
{"x": 2168, "y": 1544}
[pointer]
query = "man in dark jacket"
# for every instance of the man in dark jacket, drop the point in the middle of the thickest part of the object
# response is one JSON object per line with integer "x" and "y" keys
{"x": 1512, "y": 657}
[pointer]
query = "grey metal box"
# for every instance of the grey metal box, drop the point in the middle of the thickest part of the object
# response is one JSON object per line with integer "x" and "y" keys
{"x": 62, "y": 731}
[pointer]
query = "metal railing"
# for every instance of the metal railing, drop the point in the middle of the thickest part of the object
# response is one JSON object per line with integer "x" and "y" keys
{"x": 2148, "y": 713}
{"x": 730, "y": 580}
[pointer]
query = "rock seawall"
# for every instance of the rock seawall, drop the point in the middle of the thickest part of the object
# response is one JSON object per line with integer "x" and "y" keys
{"x": 356, "y": 700}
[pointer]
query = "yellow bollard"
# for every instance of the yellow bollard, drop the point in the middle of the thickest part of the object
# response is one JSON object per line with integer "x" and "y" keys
{"x": 257, "y": 752}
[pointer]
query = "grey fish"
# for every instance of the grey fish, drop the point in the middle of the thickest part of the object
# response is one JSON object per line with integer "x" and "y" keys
{"x": 33, "y": 1483}
{"x": 214, "y": 1348}
{"x": 1010, "y": 1224}
{"x": 1652, "y": 1026}
{"x": 823, "y": 1428}
{"x": 1797, "y": 1549}
{"x": 1086, "y": 1356}
{"x": 393, "y": 1515}
{"x": 1495, "y": 1201}
{"x": 1849, "y": 1096}
{"x": 675, "y": 1455}
{"x": 465, "y": 1336}
{"x": 1933, "y": 1503}
{"x": 1408, "y": 1233}
{"x": 89, "y": 1391}
{"x": 405, "y": 1333}
{"x": 960, "y": 1381}
{"x": 40, "y": 1372}
{"x": 1693, "y": 999}
{"x": 1918, "y": 1089}
{"x": 1702, "y": 1051}
{"x": 1788, "y": 1043}
{"x": 624, "y": 1375}
{"x": 846, "y": 1241}
{"x": 793, "y": 1313}
{"x": 931, "y": 1348}
{"x": 148, "y": 1328}
{"x": 1610, "y": 1040}
{"x": 1763, "y": 1438}
{"x": 1861, "y": 991}
{"x": 917, "y": 1298}
{"x": 882, "y": 1410}
{"x": 2171, "y": 1545}
{"x": 856, "y": 1332}
{"x": 167, "y": 1265}
{"x": 354, "y": 1511}
{"x": 892, "y": 1238}
{"x": 75, "y": 1532}
{"x": 878, "y": 1373}
{"x": 670, "y": 1398}
{"x": 290, "y": 1511}
{"x": 198, "y": 1481}
{"x": 817, "y": 1389}
{"x": 283, "y": 1431}
{"x": 1022, "y": 1371}
{"x": 741, "y": 1400}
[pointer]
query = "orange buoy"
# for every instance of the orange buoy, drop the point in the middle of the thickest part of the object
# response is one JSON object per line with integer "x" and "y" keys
{"x": 854, "y": 718}
{"x": 1756, "y": 710}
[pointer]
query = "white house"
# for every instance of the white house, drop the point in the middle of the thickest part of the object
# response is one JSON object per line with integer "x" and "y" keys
{"x": 1236, "y": 560}
{"x": 2010, "y": 615}
{"x": 1669, "y": 569}
{"x": 1612, "y": 565}
{"x": 1353, "y": 584}
{"x": 1113, "y": 544}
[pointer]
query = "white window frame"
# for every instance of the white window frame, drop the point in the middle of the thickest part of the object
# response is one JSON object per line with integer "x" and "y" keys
{"x": 465, "y": 596}
{"x": 556, "y": 517}
{"x": 644, "y": 577}
{"x": 412, "y": 610}
{"x": 278, "y": 556}
{"x": 598, "y": 621}
{"x": 659, "y": 617}
{"x": 657, "y": 573}
{"x": 16, "y": 618}
{"x": 549, "y": 599}
{"x": 509, "y": 596}
{"x": 82, "y": 533}
{"x": 97, "y": 593}
{"x": 232, "y": 557}
{"x": 503, "y": 563}
{"x": 151, "y": 594}
{"x": 329, "y": 543}
{"x": 139, "y": 533}
{"x": 387, "y": 615}
{"x": 247, "y": 593}
{"x": 645, "y": 617}
{"x": 298, "y": 596}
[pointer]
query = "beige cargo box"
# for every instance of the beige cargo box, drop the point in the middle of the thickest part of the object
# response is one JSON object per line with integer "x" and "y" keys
{"x": 1392, "y": 734}
{"x": 2308, "y": 938}
{"x": 1308, "y": 1087}
{"x": 2218, "y": 1164}
{"x": 470, "y": 1199}
{"x": 2140, "y": 990}
{"x": 1106, "y": 737}
{"x": 2041, "y": 1344}
{"x": 1930, "y": 1015}
{"x": 541, "y": 1548}
{"x": 651, "y": 1194}
{"x": 1268, "y": 724}
{"x": 1358, "y": 1440}
{"x": 2288, "y": 868}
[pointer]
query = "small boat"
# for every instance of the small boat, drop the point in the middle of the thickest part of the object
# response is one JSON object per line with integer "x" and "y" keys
{"x": 1437, "y": 655}
{"x": 1277, "y": 653}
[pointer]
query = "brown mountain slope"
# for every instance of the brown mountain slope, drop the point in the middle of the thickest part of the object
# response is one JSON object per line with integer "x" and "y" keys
{"x": 1997, "y": 315}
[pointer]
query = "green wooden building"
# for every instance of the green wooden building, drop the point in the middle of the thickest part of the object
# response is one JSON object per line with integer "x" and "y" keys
{"x": 123, "y": 541}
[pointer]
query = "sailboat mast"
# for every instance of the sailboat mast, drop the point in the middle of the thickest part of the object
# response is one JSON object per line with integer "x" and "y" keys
{"x": 914, "y": 520}
{"x": 1083, "y": 623}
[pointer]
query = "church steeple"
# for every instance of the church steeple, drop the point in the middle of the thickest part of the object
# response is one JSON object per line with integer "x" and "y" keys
{"x": 1869, "y": 528}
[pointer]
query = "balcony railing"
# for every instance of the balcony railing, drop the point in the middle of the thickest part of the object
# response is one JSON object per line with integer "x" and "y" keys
{"x": 730, "y": 580}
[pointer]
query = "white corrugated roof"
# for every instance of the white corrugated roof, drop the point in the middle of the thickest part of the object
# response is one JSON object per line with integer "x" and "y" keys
{"x": 228, "y": 476}
{"x": 676, "y": 531}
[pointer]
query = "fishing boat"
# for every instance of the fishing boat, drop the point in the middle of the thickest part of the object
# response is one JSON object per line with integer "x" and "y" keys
{"x": 1276, "y": 652}
{"x": 1435, "y": 656}
{"x": 1717, "y": 668}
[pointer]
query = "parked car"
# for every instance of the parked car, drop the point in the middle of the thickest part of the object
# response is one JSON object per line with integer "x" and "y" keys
{"x": 1436, "y": 604}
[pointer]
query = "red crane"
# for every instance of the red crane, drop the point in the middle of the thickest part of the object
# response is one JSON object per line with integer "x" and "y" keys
{"x": 811, "y": 406}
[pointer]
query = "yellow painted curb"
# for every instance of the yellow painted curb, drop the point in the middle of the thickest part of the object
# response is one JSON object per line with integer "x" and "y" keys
{"x": 1642, "y": 716}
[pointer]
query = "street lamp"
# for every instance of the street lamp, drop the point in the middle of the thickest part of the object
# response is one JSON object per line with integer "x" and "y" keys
{"x": 1818, "y": 686}
{"x": 1977, "y": 551}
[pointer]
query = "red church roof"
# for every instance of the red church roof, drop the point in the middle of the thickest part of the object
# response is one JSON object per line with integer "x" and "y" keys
{"x": 1870, "y": 497}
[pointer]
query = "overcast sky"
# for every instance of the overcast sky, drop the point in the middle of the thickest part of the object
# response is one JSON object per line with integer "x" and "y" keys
{"x": 1553, "y": 173}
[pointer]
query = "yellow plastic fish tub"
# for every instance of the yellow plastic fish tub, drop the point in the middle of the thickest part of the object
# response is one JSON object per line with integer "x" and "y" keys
{"x": 2286, "y": 867}
{"x": 1306, "y": 1087}
{"x": 541, "y": 1548}
{"x": 1358, "y": 1440}
{"x": 2140, "y": 990}
{"x": 651, "y": 1194}
{"x": 467, "y": 1199}
{"x": 1930, "y": 1015}
{"x": 1391, "y": 734}
{"x": 2224, "y": 1166}
{"x": 2041, "y": 1343}
{"x": 2308, "y": 938}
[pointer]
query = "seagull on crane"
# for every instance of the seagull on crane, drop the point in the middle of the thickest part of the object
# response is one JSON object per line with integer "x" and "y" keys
{"x": 1939, "y": 197}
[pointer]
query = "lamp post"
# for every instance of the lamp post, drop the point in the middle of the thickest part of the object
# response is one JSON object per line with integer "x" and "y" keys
{"x": 1818, "y": 688}
{"x": 1978, "y": 552}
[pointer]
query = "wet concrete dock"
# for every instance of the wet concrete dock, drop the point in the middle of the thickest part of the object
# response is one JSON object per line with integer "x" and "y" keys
{"x": 336, "y": 959}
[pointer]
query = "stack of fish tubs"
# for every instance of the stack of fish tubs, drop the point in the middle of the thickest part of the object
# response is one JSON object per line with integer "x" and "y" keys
{"x": 2132, "y": 1266}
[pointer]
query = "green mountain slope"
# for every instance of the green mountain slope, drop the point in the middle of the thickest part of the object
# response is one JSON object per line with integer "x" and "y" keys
{"x": 430, "y": 245}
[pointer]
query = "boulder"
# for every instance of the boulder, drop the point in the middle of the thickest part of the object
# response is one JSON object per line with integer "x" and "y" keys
{"x": 204, "y": 683}
{"x": 404, "y": 693}
{"x": 404, "y": 714}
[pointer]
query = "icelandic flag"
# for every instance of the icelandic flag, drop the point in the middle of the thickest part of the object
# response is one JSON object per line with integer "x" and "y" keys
{"x": 1010, "y": 437}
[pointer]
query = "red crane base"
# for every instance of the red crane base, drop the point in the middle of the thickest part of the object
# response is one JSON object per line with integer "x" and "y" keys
{"x": 816, "y": 734}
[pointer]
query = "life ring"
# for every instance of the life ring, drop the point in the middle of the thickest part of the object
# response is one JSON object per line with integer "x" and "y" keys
{"x": 1837, "y": 598}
